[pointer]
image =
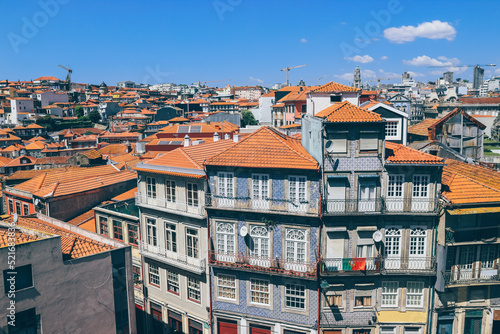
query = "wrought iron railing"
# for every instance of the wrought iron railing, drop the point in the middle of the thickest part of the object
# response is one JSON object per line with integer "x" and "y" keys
{"x": 194, "y": 207}
{"x": 471, "y": 275}
{"x": 413, "y": 205}
{"x": 353, "y": 206}
{"x": 174, "y": 258}
{"x": 380, "y": 205}
{"x": 264, "y": 264}
{"x": 263, "y": 204}
{"x": 373, "y": 265}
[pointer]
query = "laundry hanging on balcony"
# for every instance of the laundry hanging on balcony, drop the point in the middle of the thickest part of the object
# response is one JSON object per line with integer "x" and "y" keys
{"x": 354, "y": 264}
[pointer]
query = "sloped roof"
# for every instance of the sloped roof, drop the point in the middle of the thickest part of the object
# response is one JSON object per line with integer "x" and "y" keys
{"x": 92, "y": 154}
{"x": 422, "y": 128}
{"x": 400, "y": 154}
{"x": 17, "y": 161}
{"x": 333, "y": 87}
{"x": 347, "y": 112}
{"x": 453, "y": 113}
{"x": 126, "y": 195}
{"x": 470, "y": 184}
{"x": 265, "y": 148}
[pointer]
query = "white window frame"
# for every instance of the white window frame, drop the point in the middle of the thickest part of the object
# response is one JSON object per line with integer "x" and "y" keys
{"x": 192, "y": 243}
{"x": 397, "y": 128}
{"x": 292, "y": 297}
{"x": 226, "y": 284}
{"x": 418, "y": 241}
{"x": 395, "y": 185}
{"x": 415, "y": 285}
{"x": 151, "y": 232}
{"x": 151, "y": 189}
{"x": 225, "y": 184}
{"x": 225, "y": 237}
{"x": 368, "y": 142}
{"x": 173, "y": 281}
{"x": 255, "y": 287}
{"x": 170, "y": 237}
{"x": 261, "y": 241}
{"x": 293, "y": 246}
{"x": 192, "y": 194}
{"x": 154, "y": 274}
{"x": 260, "y": 189}
{"x": 194, "y": 289}
{"x": 389, "y": 285}
{"x": 419, "y": 187}
{"x": 338, "y": 144}
{"x": 170, "y": 191}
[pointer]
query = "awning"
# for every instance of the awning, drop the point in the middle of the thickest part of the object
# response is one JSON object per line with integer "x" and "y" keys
{"x": 369, "y": 176}
{"x": 474, "y": 211}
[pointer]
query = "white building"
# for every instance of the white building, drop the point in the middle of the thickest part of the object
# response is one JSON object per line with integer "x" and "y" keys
{"x": 20, "y": 108}
{"x": 332, "y": 92}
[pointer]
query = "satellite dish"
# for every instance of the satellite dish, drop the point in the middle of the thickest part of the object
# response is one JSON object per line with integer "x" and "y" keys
{"x": 377, "y": 236}
{"x": 243, "y": 231}
{"x": 15, "y": 217}
{"x": 36, "y": 201}
{"x": 329, "y": 146}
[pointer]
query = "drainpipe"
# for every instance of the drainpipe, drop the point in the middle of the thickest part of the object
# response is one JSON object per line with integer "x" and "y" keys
{"x": 208, "y": 251}
{"x": 431, "y": 305}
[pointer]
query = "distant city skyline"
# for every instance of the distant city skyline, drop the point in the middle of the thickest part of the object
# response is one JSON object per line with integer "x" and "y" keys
{"x": 248, "y": 42}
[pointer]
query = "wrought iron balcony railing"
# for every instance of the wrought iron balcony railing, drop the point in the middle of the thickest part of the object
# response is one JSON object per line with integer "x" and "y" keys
{"x": 264, "y": 264}
{"x": 353, "y": 206}
{"x": 309, "y": 207}
{"x": 173, "y": 258}
{"x": 458, "y": 276}
{"x": 195, "y": 207}
{"x": 374, "y": 265}
{"x": 380, "y": 205}
{"x": 410, "y": 205}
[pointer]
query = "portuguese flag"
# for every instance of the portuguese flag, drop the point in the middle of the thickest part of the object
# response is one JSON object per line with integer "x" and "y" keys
{"x": 353, "y": 264}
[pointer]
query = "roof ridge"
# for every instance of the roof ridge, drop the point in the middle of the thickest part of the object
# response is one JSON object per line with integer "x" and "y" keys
{"x": 190, "y": 159}
{"x": 471, "y": 179}
{"x": 284, "y": 138}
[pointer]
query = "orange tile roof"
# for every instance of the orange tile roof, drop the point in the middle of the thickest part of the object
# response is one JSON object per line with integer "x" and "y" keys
{"x": 265, "y": 148}
{"x": 470, "y": 184}
{"x": 123, "y": 157}
{"x": 4, "y": 161}
{"x": 52, "y": 160}
{"x": 422, "y": 128}
{"x": 73, "y": 245}
{"x": 92, "y": 154}
{"x": 205, "y": 127}
{"x": 89, "y": 225}
{"x": 17, "y": 161}
{"x": 82, "y": 218}
{"x": 47, "y": 78}
{"x": 19, "y": 237}
{"x": 290, "y": 126}
{"x": 333, "y": 87}
{"x": 179, "y": 119}
{"x": 343, "y": 112}
{"x": 400, "y": 154}
{"x": 37, "y": 145}
{"x": 126, "y": 195}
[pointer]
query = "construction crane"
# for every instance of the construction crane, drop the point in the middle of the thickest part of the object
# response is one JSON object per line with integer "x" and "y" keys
{"x": 204, "y": 82}
{"x": 287, "y": 69}
{"x": 319, "y": 79}
{"x": 380, "y": 79}
{"x": 68, "y": 77}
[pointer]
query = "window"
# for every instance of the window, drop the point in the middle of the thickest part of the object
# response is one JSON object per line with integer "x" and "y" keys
{"x": 23, "y": 278}
{"x": 335, "y": 98}
{"x": 18, "y": 208}
{"x": 225, "y": 237}
{"x": 117, "y": 230}
{"x": 417, "y": 241}
{"x": 387, "y": 330}
{"x": 420, "y": 186}
{"x": 363, "y": 296}
{"x": 194, "y": 292}
{"x": 415, "y": 294}
{"x": 154, "y": 275}
{"x": 395, "y": 186}
{"x": 259, "y": 291}
{"x": 170, "y": 190}
{"x": 260, "y": 241}
{"x": 137, "y": 276}
{"x": 297, "y": 192}
{"x": 337, "y": 143}
{"x": 390, "y": 293}
{"x": 103, "y": 226}
{"x": 295, "y": 296}
{"x": 26, "y": 209}
{"x": 11, "y": 207}
{"x": 368, "y": 142}
{"x": 133, "y": 234}
{"x": 260, "y": 187}
{"x": 488, "y": 256}
{"x": 393, "y": 242}
{"x": 192, "y": 194}
{"x": 151, "y": 232}
{"x": 391, "y": 129}
{"x": 295, "y": 240}
{"x": 333, "y": 297}
{"x": 225, "y": 188}
{"x": 151, "y": 187}
{"x": 226, "y": 286}
{"x": 26, "y": 322}
{"x": 192, "y": 242}
{"x": 173, "y": 282}
{"x": 170, "y": 237}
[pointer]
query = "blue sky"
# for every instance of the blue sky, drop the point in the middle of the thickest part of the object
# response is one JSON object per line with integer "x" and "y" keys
{"x": 247, "y": 41}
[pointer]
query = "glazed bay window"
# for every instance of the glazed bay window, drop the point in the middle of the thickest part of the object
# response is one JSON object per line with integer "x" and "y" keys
{"x": 295, "y": 296}
{"x": 170, "y": 191}
{"x": 194, "y": 292}
{"x": 390, "y": 294}
{"x": 259, "y": 291}
{"x": 151, "y": 235}
{"x": 151, "y": 187}
{"x": 192, "y": 242}
{"x": 117, "y": 230}
{"x": 226, "y": 287}
{"x": 415, "y": 294}
{"x": 170, "y": 237}
{"x": 192, "y": 194}
{"x": 173, "y": 282}
{"x": 103, "y": 226}
{"x": 154, "y": 275}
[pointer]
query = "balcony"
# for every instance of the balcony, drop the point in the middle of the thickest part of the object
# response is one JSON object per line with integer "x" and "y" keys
{"x": 268, "y": 265}
{"x": 467, "y": 276}
{"x": 173, "y": 258}
{"x": 410, "y": 205}
{"x": 268, "y": 205}
{"x": 163, "y": 204}
{"x": 378, "y": 265}
{"x": 353, "y": 206}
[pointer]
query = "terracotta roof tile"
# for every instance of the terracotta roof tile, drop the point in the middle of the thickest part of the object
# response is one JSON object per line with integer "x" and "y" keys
{"x": 92, "y": 154}
{"x": 265, "y": 148}
{"x": 343, "y": 112}
{"x": 400, "y": 154}
{"x": 126, "y": 195}
{"x": 333, "y": 87}
{"x": 78, "y": 220}
{"x": 19, "y": 236}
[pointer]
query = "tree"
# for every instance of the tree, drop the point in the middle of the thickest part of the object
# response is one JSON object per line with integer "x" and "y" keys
{"x": 94, "y": 116}
{"x": 247, "y": 118}
{"x": 79, "y": 111}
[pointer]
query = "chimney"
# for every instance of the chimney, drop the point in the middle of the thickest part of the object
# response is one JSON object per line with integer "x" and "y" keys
{"x": 216, "y": 137}
{"x": 187, "y": 141}
{"x": 227, "y": 136}
{"x": 236, "y": 137}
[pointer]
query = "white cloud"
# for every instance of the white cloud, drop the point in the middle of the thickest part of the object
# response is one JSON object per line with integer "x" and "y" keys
{"x": 345, "y": 76}
{"x": 303, "y": 40}
{"x": 497, "y": 71}
{"x": 368, "y": 74}
{"x": 361, "y": 59}
{"x": 431, "y": 30}
{"x": 416, "y": 74}
{"x": 428, "y": 61}
{"x": 365, "y": 75}
{"x": 257, "y": 80}
{"x": 384, "y": 58}
{"x": 384, "y": 74}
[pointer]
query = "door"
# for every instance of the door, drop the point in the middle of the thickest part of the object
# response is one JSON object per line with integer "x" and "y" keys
{"x": 336, "y": 196}
{"x": 297, "y": 194}
{"x": 260, "y": 191}
{"x": 472, "y": 325}
{"x": 467, "y": 258}
{"x": 420, "y": 194}
{"x": 259, "y": 247}
{"x": 394, "y": 200}
{"x": 156, "y": 318}
{"x": 296, "y": 249}
{"x": 227, "y": 327}
{"x": 367, "y": 196}
{"x": 392, "y": 248}
{"x": 225, "y": 191}
{"x": 334, "y": 250}
{"x": 418, "y": 249}
{"x": 225, "y": 242}
{"x": 445, "y": 327}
